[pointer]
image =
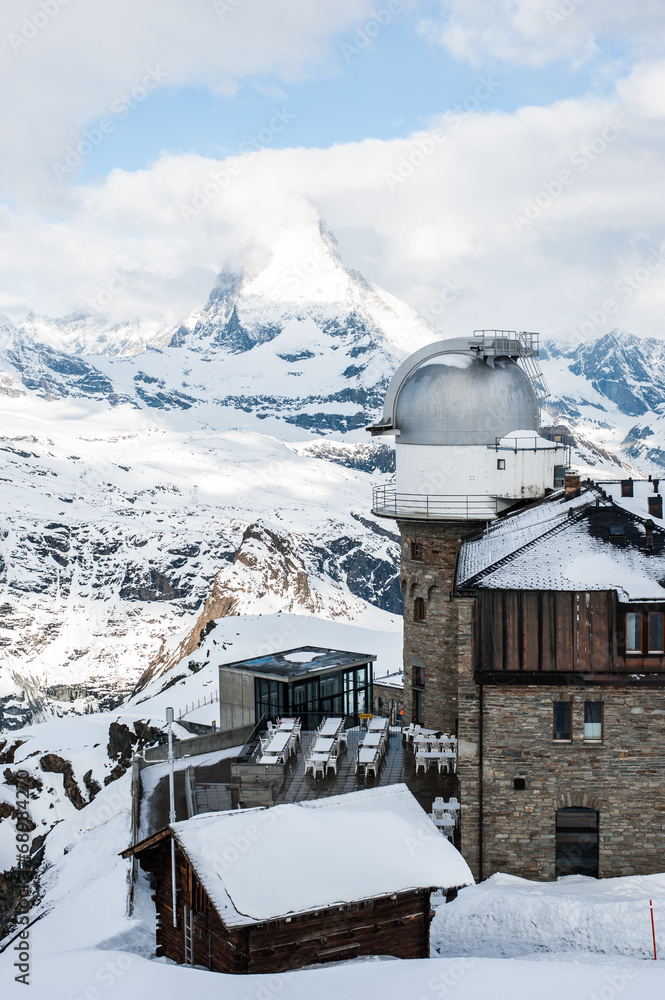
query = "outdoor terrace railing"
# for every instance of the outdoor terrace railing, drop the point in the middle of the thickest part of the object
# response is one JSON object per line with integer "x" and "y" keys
{"x": 387, "y": 502}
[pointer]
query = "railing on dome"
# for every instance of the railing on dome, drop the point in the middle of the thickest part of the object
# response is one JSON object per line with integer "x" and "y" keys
{"x": 523, "y": 343}
{"x": 387, "y": 502}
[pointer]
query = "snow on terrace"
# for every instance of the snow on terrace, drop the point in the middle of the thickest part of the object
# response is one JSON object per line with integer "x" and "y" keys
{"x": 262, "y": 864}
{"x": 545, "y": 548}
{"x": 509, "y": 916}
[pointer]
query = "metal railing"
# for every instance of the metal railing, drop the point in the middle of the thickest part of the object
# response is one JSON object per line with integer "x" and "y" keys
{"x": 530, "y": 443}
{"x": 521, "y": 342}
{"x": 200, "y": 703}
{"x": 387, "y": 502}
{"x": 252, "y": 741}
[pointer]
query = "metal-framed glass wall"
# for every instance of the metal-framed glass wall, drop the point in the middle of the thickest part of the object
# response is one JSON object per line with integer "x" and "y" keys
{"x": 345, "y": 693}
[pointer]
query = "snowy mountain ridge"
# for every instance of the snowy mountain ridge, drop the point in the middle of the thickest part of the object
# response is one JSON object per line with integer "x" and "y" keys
{"x": 129, "y": 477}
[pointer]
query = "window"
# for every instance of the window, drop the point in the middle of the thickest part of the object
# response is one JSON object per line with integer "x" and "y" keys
{"x": 562, "y": 728}
{"x": 593, "y": 720}
{"x": 645, "y": 632}
{"x": 416, "y": 550}
{"x": 519, "y": 784}
{"x": 418, "y": 673}
{"x": 419, "y": 610}
{"x": 419, "y": 676}
{"x": 268, "y": 698}
{"x": 500, "y": 463}
{"x": 655, "y": 633}
{"x": 634, "y": 632}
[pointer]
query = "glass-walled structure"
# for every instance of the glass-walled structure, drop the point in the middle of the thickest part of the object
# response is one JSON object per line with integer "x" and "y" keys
{"x": 309, "y": 682}
{"x": 343, "y": 692}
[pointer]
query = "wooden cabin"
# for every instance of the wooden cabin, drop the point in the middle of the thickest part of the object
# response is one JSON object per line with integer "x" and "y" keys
{"x": 266, "y": 891}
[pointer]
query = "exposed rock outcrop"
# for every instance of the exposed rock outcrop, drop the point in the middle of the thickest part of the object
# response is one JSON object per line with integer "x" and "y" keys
{"x": 53, "y": 764}
{"x": 268, "y": 574}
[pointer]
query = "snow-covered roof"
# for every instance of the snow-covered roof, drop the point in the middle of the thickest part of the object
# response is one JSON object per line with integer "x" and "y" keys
{"x": 263, "y": 864}
{"x": 593, "y": 541}
{"x": 298, "y": 662}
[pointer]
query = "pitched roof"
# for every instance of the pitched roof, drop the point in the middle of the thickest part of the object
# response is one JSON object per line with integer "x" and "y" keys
{"x": 263, "y": 864}
{"x": 592, "y": 541}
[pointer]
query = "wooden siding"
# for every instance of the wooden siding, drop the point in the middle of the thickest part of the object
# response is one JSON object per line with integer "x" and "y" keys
{"x": 548, "y": 631}
{"x": 396, "y": 926}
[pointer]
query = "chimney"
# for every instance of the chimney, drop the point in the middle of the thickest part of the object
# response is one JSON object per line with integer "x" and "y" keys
{"x": 571, "y": 483}
{"x": 648, "y": 541}
{"x": 655, "y": 506}
{"x": 655, "y": 484}
{"x": 626, "y": 487}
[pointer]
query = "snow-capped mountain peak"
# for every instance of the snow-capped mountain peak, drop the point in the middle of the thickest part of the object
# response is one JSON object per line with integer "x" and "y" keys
{"x": 302, "y": 277}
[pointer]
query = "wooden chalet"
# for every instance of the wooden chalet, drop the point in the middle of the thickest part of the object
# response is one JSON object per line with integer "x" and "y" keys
{"x": 266, "y": 891}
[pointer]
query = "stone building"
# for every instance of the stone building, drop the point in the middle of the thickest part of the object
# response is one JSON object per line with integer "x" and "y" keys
{"x": 562, "y": 686}
{"x": 533, "y": 623}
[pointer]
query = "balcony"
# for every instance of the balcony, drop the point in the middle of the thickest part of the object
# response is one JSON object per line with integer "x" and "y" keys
{"x": 387, "y": 502}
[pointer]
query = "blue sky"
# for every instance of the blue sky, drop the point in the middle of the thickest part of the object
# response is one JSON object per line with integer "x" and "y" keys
{"x": 387, "y": 90}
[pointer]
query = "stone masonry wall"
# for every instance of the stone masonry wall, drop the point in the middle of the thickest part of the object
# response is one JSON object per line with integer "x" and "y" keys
{"x": 622, "y": 777}
{"x": 432, "y": 643}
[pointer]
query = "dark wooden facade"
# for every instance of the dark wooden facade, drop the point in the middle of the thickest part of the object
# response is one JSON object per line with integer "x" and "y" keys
{"x": 556, "y": 632}
{"x": 395, "y": 925}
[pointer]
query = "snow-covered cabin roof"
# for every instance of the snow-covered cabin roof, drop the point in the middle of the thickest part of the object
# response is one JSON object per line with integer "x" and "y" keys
{"x": 264, "y": 864}
{"x": 596, "y": 540}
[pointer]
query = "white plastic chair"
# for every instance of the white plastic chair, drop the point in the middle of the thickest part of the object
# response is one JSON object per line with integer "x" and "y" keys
{"x": 421, "y": 761}
{"x": 319, "y": 766}
{"x": 332, "y": 763}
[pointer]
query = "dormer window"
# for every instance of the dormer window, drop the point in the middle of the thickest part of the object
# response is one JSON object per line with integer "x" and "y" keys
{"x": 655, "y": 632}
{"x": 634, "y": 632}
{"x": 645, "y": 632}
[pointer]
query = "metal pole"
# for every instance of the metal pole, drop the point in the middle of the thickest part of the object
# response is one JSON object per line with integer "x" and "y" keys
{"x": 169, "y": 719}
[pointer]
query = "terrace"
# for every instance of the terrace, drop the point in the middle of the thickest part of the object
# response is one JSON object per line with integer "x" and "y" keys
{"x": 212, "y": 786}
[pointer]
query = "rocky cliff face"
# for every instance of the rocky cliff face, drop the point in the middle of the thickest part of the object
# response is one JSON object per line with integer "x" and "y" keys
{"x": 268, "y": 574}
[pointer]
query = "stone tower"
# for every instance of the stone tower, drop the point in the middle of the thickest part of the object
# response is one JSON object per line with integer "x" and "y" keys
{"x": 465, "y": 417}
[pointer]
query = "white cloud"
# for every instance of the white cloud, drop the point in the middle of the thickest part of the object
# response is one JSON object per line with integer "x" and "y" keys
{"x": 66, "y": 63}
{"x": 539, "y": 32}
{"x": 535, "y": 220}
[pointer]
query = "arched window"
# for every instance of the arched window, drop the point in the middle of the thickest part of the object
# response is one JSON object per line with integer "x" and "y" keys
{"x": 419, "y": 609}
{"x": 576, "y": 842}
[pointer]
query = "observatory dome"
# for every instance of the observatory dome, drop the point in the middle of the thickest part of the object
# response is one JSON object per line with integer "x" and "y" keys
{"x": 457, "y": 399}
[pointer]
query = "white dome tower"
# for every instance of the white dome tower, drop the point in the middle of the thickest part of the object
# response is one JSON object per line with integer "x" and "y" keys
{"x": 465, "y": 416}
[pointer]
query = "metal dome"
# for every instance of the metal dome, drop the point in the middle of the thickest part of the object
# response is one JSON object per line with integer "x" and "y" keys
{"x": 459, "y": 399}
